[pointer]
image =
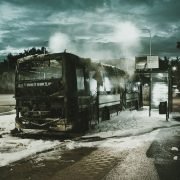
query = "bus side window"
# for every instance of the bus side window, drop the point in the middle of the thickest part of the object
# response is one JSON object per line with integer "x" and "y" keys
{"x": 80, "y": 80}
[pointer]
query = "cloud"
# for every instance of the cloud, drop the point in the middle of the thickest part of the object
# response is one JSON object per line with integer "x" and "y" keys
{"x": 10, "y": 49}
{"x": 64, "y": 5}
{"x": 91, "y": 28}
{"x": 9, "y": 12}
{"x": 123, "y": 40}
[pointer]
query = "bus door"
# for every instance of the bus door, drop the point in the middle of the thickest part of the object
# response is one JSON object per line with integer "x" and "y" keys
{"x": 84, "y": 99}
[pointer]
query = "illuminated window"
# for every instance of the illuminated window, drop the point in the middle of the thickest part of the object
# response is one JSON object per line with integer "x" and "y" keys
{"x": 80, "y": 79}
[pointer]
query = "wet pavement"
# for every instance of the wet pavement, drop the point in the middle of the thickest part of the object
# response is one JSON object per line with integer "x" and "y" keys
{"x": 77, "y": 164}
{"x": 151, "y": 160}
{"x": 166, "y": 154}
{"x": 135, "y": 166}
{"x": 43, "y": 166}
{"x": 94, "y": 166}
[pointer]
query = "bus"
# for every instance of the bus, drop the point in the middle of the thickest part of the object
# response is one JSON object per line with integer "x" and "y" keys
{"x": 64, "y": 92}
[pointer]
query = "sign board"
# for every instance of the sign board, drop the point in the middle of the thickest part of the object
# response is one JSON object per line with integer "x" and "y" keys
{"x": 152, "y": 62}
{"x": 141, "y": 62}
{"x": 147, "y": 62}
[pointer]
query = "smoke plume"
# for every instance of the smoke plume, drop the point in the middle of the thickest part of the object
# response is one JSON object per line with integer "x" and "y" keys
{"x": 122, "y": 41}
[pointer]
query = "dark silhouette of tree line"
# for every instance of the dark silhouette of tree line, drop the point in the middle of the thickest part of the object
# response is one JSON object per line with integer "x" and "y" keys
{"x": 11, "y": 59}
{"x": 7, "y": 68}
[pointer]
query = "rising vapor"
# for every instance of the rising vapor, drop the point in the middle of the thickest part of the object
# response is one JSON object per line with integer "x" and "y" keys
{"x": 124, "y": 37}
{"x": 59, "y": 42}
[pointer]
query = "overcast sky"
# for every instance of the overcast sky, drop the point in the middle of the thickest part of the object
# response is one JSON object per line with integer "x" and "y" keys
{"x": 91, "y": 28}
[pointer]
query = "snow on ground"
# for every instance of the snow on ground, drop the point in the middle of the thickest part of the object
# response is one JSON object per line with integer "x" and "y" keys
{"x": 12, "y": 148}
{"x": 131, "y": 123}
{"x": 126, "y": 125}
{"x": 16, "y": 149}
{"x": 128, "y": 130}
{"x": 116, "y": 144}
{"x": 7, "y": 123}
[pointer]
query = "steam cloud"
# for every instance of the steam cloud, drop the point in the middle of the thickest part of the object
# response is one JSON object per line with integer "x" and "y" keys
{"x": 124, "y": 37}
{"x": 59, "y": 42}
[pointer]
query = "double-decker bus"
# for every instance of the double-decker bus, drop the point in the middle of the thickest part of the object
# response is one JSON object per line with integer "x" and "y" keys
{"x": 64, "y": 92}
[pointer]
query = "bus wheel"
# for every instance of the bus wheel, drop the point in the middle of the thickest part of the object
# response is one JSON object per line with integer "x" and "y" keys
{"x": 105, "y": 114}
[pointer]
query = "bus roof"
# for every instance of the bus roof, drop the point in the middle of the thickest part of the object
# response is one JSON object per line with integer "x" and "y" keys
{"x": 44, "y": 56}
{"x": 91, "y": 65}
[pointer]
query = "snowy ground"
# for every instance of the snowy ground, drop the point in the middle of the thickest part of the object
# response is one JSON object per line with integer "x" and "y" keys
{"x": 7, "y": 102}
{"x": 12, "y": 148}
{"x": 129, "y": 123}
{"x": 126, "y": 125}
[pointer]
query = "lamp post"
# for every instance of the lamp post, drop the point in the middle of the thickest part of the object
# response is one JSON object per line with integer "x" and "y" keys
{"x": 150, "y": 39}
{"x": 150, "y": 49}
{"x": 172, "y": 71}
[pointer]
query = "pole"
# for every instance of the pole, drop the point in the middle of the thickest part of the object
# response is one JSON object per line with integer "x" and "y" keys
{"x": 97, "y": 101}
{"x": 150, "y": 89}
{"x": 150, "y": 74}
{"x": 169, "y": 109}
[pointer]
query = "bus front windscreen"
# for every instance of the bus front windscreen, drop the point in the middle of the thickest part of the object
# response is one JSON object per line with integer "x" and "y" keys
{"x": 40, "y": 70}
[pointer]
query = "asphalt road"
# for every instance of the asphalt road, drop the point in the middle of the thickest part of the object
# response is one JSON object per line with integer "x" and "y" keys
{"x": 7, "y": 102}
{"x": 152, "y": 160}
{"x": 7, "y": 99}
{"x": 165, "y": 151}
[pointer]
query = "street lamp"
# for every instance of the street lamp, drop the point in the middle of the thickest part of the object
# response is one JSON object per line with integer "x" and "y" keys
{"x": 174, "y": 68}
{"x": 150, "y": 41}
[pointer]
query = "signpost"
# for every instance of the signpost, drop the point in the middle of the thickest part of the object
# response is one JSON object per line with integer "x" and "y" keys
{"x": 147, "y": 63}
{"x": 152, "y": 62}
